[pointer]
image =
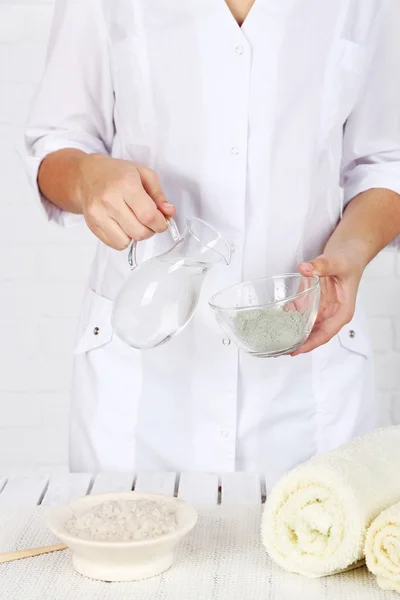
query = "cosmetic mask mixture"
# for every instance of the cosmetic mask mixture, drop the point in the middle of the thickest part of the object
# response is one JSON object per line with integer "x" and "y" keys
{"x": 269, "y": 330}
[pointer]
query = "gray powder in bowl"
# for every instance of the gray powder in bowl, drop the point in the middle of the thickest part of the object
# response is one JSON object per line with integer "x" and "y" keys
{"x": 269, "y": 330}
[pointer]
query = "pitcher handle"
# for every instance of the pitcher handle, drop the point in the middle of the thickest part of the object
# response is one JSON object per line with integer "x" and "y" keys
{"x": 172, "y": 228}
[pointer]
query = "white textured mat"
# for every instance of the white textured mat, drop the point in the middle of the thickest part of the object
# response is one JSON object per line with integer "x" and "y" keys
{"x": 222, "y": 559}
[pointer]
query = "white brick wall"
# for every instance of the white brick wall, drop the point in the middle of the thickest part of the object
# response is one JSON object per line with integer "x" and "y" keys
{"x": 43, "y": 269}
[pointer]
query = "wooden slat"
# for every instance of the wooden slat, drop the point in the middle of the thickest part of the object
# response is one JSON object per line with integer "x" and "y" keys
{"x": 156, "y": 483}
{"x": 199, "y": 488}
{"x": 26, "y": 490}
{"x": 263, "y": 490}
{"x": 112, "y": 482}
{"x": 64, "y": 488}
{"x": 240, "y": 488}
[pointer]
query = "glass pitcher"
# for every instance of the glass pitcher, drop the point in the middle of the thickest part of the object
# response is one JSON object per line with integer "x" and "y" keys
{"x": 161, "y": 295}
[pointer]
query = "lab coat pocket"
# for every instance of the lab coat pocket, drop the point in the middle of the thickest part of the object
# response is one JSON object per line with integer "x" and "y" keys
{"x": 106, "y": 391}
{"x": 343, "y": 83}
{"x": 131, "y": 73}
{"x": 344, "y": 386}
{"x": 353, "y": 337}
{"x": 95, "y": 328}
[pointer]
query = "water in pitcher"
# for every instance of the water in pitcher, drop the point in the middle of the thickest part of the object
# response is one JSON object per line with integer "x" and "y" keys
{"x": 160, "y": 296}
{"x": 164, "y": 296}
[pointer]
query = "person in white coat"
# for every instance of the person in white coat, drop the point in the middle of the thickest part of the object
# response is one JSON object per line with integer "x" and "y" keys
{"x": 268, "y": 119}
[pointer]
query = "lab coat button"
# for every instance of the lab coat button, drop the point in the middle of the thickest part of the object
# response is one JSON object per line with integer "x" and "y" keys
{"x": 96, "y": 331}
{"x": 352, "y": 333}
{"x": 239, "y": 50}
{"x": 225, "y": 433}
{"x": 226, "y": 342}
{"x": 235, "y": 150}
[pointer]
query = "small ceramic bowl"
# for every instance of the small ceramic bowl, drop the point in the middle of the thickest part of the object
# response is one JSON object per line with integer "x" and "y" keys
{"x": 122, "y": 561}
{"x": 240, "y": 310}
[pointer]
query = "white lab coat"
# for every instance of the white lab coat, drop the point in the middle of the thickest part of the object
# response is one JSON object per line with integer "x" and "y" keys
{"x": 252, "y": 130}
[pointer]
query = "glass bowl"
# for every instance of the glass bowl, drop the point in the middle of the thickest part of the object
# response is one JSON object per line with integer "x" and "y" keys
{"x": 269, "y": 317}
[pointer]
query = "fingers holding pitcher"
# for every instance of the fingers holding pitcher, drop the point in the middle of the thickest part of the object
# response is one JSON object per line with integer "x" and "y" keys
{"x": 122, "y": 201}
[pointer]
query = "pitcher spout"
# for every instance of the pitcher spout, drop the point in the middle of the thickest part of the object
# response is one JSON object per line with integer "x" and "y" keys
{"x": 213, "y": 246}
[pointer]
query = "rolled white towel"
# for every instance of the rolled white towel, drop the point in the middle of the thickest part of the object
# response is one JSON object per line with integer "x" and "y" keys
{"x": 316, "y": 519}
{"x": 382, "y": 548}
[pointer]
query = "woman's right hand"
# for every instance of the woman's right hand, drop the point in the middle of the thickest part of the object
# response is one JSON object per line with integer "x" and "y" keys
{"x": 121, "y": 201}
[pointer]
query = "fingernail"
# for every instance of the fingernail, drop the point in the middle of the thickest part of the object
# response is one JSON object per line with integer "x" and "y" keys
{"x": 168, "y": 205}
{"x": 308, "y": 266}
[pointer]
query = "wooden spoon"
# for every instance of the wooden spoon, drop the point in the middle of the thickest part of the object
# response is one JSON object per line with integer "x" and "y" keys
{"x": 10, "y": 556}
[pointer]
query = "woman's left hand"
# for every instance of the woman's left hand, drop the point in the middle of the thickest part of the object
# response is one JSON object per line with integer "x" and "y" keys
{"x": 340, "y": 279}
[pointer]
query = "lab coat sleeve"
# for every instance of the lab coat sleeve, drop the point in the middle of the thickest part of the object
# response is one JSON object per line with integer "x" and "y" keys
{"x": 371, "y": 145}
{"x": 74, "y": 104}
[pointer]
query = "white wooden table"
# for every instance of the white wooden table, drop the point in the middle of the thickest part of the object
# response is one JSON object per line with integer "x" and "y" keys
{"x": 195, "y": 488}
{"x": 224, "y": 560}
